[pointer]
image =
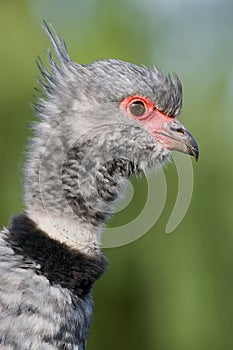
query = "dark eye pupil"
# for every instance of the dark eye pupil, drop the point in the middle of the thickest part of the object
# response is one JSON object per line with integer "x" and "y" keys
{"x": 137, "y": 108}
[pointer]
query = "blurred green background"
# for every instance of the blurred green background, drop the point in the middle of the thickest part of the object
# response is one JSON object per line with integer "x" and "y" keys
{"x": 162, "y": 291}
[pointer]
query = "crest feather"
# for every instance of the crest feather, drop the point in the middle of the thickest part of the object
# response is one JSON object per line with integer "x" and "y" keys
{"x": 58, "y": 44}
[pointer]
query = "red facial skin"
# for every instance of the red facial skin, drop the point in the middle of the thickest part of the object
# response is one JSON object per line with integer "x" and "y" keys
{"x": 168, "y": 131}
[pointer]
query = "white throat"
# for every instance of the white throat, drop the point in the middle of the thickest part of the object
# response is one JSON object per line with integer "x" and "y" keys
{"x": 73, "y": 232}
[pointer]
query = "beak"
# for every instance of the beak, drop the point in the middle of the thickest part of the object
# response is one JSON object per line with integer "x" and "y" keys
{"x": 174, "y": 136}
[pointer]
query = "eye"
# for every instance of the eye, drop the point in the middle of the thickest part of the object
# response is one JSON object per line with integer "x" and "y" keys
{"x": 137, "y": 108}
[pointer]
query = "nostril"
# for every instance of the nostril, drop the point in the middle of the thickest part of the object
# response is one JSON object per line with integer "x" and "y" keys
{"x": 180, "y": 131}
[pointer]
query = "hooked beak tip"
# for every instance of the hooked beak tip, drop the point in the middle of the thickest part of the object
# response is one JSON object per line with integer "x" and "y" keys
{"x": 194, "y": 152}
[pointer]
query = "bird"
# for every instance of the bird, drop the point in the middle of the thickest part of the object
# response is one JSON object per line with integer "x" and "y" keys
{"x": 97, "y": 125}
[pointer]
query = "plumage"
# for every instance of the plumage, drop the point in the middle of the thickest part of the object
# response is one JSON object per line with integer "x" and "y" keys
{"x": 98, "y": 124}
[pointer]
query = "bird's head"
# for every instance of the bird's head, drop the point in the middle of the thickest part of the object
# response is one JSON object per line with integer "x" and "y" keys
{"x": 112, "y": 91}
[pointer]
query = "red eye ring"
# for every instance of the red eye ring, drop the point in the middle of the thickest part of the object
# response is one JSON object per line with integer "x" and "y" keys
{"x": 138, "y": 107}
